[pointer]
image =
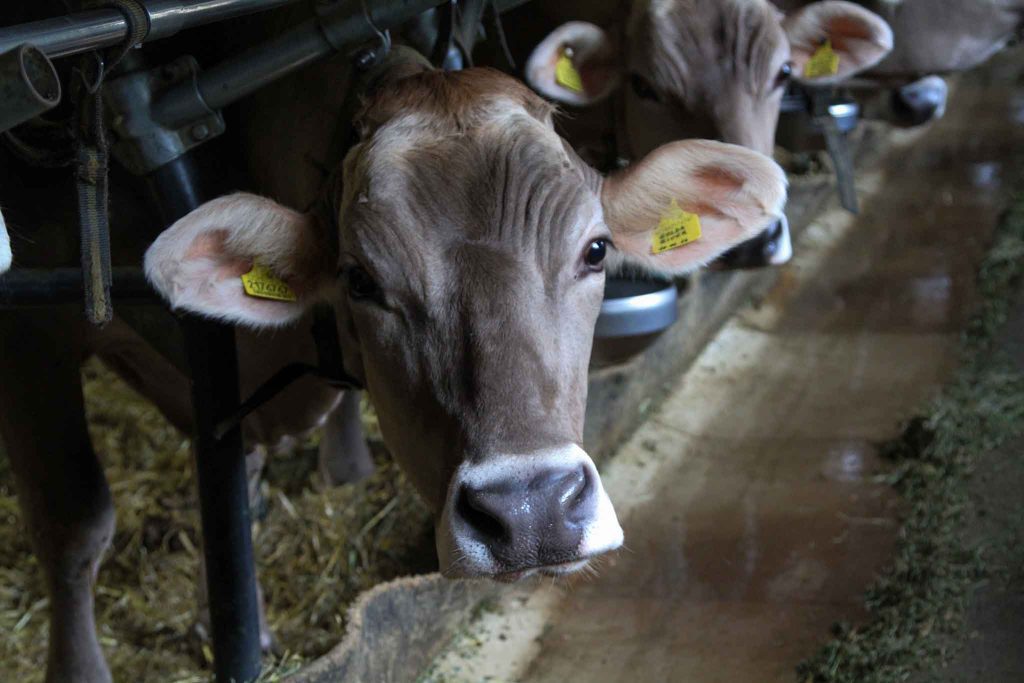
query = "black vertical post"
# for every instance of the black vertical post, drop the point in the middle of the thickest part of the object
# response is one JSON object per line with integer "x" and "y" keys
{"x": 220, "y": 464}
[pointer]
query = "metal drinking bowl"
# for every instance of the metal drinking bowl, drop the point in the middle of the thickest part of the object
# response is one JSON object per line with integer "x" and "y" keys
{"x": 634, "y": 313}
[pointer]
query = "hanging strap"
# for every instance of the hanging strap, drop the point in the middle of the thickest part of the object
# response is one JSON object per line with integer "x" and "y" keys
{"x": 92, "y": 159}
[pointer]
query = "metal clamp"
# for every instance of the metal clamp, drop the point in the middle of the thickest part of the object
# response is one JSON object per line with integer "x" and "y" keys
{"x": 144, "y": 143}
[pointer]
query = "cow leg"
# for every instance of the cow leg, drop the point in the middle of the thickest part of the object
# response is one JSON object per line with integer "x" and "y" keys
{"x": 61, "y": 487}
{"x": 125, "y": 352}
{"x": 344, "y": 456}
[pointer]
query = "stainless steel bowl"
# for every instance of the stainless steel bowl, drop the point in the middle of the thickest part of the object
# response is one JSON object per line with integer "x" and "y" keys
{"x": 799, "y": 132}
{"x": 634, "y": 313}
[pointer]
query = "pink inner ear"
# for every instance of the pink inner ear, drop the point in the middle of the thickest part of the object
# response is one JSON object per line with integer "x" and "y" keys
{"x": 843, "y": 29}
{"x": 211, "y": 245}
{"x": 719, "y": 180}
{"x": 207, "y": 245}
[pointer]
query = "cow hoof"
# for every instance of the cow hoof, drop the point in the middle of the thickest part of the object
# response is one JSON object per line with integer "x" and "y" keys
{"x": 773, "y": 247}
{"x": 920, "y": 102}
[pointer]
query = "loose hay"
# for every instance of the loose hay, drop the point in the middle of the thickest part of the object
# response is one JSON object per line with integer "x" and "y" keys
{"x": 922, "y": 597}
{"x": 316, "y": 548}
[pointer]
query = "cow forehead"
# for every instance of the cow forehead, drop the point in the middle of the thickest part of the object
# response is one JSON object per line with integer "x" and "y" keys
{"x": 683, "y": 44}
{"x": 497, "y": 123}
{"x": 505, "y": 185}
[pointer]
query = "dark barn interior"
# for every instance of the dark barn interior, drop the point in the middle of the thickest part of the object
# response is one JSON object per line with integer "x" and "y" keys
{"x": 511, "y": 341}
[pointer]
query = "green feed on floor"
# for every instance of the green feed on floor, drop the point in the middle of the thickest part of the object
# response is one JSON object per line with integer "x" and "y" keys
{"x": 921, "y": 599}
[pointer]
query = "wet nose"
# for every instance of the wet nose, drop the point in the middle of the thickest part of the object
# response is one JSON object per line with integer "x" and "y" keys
{"x": 530, "y": 523}
{"x": 921, "y": 101}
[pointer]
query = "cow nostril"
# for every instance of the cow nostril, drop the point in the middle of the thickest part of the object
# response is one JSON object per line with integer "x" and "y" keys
{"x": 575, "y": 494}
{"x": 474, "y": 512}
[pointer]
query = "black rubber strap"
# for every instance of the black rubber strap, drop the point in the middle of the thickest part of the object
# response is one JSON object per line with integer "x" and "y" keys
{"x": 330, "y": 369}
{"x": 280, "y": 381}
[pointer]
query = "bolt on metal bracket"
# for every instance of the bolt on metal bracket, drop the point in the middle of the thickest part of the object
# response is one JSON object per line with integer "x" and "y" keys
{"x": 142, "y": 143}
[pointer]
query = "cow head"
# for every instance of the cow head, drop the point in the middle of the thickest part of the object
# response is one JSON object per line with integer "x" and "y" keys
{"x": 706, "y": 69}
{"x": 463, "y": 247}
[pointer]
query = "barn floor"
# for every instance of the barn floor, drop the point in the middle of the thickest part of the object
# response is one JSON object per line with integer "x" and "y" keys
{"x": 753, "y": 516}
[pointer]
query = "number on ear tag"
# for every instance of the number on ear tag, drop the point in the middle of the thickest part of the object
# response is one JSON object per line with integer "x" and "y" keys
{"x": 676, "y": 228}
{"x": 262, "y": 284}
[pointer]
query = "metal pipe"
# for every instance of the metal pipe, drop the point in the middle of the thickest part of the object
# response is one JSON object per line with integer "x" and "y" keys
{"x": 84, "y": 31}
{"x": 28, "y": 287}
{"x": 29, "y": 86}
{"x": 251, "y": 70}
{"x": 220, "y": 462}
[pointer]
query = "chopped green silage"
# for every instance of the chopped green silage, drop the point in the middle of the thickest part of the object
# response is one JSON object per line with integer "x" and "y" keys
{"x": 920, "y": 600}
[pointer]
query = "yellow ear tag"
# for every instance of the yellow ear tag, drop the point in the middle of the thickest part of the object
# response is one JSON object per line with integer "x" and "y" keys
{"x": 824, "y": 62}
{"x": 676, "y": 228}
{"x": 566, "y": 74}
{"x": 261, "y": 283}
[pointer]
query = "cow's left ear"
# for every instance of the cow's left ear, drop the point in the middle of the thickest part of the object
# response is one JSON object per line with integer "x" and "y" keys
{"x": 687, "y": 202}
{"x": 242, "y": 259}
{"x": 858, "y": 39}
{"x": 577, "y": 64}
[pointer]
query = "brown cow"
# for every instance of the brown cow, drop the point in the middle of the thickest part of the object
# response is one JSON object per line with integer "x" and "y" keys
{"x": 931, "y": 37}
{"x": 462, "y": 244}
{"x": 707, "y": 69}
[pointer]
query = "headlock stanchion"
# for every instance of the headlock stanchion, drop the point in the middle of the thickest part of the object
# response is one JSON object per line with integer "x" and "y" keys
{"x": 220, "y": 463}
{"x": 156, "y": 114}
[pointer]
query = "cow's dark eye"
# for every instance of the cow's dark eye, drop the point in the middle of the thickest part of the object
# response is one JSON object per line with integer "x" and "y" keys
{"x": 595, "y": 253}
{"x": 360, "y": 284}
{"x": 785, "y": 73}
{"x": 643, "y": 89}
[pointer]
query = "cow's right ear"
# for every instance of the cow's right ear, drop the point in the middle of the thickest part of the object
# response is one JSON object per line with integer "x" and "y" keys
{"x": 577, "y": 64}
{"x": 198, "y": 263}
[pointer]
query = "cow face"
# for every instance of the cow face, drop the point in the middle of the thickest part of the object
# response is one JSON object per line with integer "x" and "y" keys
{"x": 706, "y": 68}
{"x": 463, "y": 247}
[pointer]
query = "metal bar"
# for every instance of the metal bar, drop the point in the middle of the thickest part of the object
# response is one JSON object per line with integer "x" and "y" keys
{"x": 308, "y": 42}
{"x": 220, "y": 467}
{"x": 223, "y": 502}
{"x": 84, "y": 31}
{"x": 240, "y": 75}
{"x": 26, "y": 287}
{"x": 29, "y": 86}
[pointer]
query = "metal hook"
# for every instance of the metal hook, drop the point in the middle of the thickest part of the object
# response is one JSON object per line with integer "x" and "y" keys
{"x": 98, "y": 69}
{"x": 385, "y": 36}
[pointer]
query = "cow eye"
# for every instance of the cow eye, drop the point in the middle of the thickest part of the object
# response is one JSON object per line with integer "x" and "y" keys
{"x": 360, "y": 284}
{"x": 643, "y": 88}
{"x": 785, "y": 73}
{"x": 594, "y": 254}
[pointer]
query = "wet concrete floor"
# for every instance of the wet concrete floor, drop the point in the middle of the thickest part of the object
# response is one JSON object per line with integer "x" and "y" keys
{"x": 752, "y": 513}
